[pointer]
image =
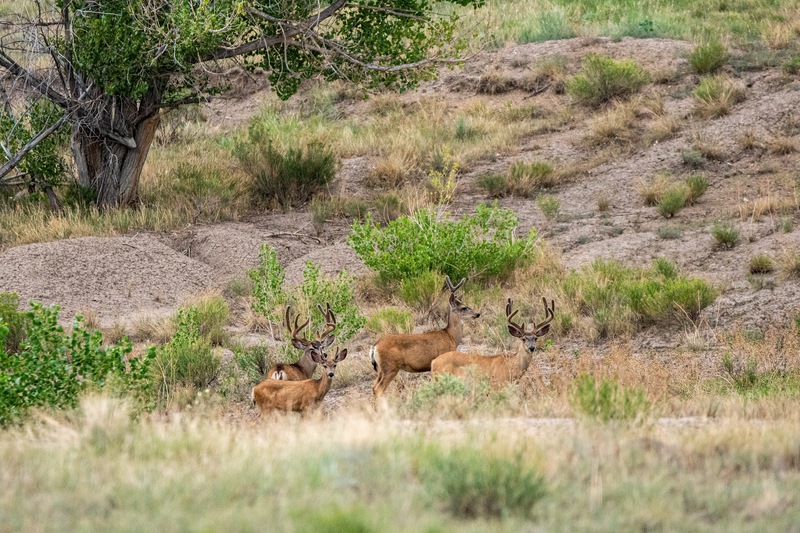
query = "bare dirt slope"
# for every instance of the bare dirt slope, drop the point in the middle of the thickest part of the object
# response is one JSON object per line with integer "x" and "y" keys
{"x": 119, "y": 277}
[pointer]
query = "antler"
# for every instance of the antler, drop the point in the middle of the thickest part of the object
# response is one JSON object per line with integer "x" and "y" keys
{"x": 515, "y": 329}
{"x": 450, "y": 283}
{"x": 297, "y": 329}
{"x": 330, "y": 320}
{"x": 549, "y": 313}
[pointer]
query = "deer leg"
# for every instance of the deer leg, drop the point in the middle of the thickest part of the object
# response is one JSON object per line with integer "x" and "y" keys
{"x": 385, "y": 381}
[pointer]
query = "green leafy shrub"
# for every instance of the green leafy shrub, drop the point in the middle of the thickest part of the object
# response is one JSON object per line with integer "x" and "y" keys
{"x": 725, "y": 233}
{"x": 471, "y": 484}
{"x": 270, "y": 298}
{"x": 390, "y": 320}
{"x": 456, "y": 397}
{"x": 15, "y": 321}
{"x": 672, "y": 201}
{"x": 53, "y": 367}
{"x": 708, "y": 57}
{"x": 185, "y": 362}
{"x": 606, "y": 400}
{"x": 482, "y": 246}
{"x": 746, "y": 379}
{"x": 289, "y": 179}
{"x": 602, "y": 79}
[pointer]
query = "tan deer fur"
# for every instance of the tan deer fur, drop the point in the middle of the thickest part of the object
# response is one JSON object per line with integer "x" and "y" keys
{"x": 500, "y": 368}
{"x": 276, "y": 395}
{"x": 415, "y": 352}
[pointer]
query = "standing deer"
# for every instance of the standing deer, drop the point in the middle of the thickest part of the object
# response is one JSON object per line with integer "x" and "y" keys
{"x": 305, "y": 366}
{"x": 502, "y": 367}
{"x": 277, "y": 395}
{"x": 414, "y": 352}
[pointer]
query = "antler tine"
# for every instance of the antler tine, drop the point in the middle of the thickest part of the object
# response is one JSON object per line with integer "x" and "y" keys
{"x": 549, "y": 313}
{"x": 448, "y": 283}
{"x": 330, "y": 320}
{"x": 288, "y": 320}
{"x": 510, "y": 316}
{"x": 298, "y": 329}
{"x": 458, "y": 286}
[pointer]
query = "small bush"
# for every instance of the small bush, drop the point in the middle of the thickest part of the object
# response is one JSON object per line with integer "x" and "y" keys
{"x": 693, "y": 158}
{"x": 471, "y": 484}
{"x": 549, "y": 204}
{"x": 669, "y": 232}
{"x": 212, "y": 316}
{"x": 789, "y": 265}
{"x": 708, "y": 57}
{"x": 15, "y": 321}
{"x": 725, "y": 233}
{"x": 185, "y": 362}
{"x": 602, "y": 78}
{"x": 289, "y": 179}
{"x": 494, "y": 184}
{"x": 524, "y": 178}
{"x": 255, "y": 361}
{"x": 792, "y": 65}
{"x": 390, "y": 320}
{"x": 480, "y": 246}
{"x": 651, "y": 191}
{"x": 715, "y": 96}
{"x": 761, "y": 264}
{"x": 746, "y": 379}
{"x": 696, "y": 187}
{"x": 672, "y": 201}
{"x": 606, "y": 400}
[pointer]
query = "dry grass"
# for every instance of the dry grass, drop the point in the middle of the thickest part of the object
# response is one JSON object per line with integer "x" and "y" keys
{"x": 789, "y": 265}
{"x": 783, "y": 145}
{"x": 615, "y": 126}
{"x": 651, "y": 190}
{"x": 748, "y": 140}
{"x": 153, "y": 328}
{"x": 779, "y": 35}
{"x": 715, "y": 96}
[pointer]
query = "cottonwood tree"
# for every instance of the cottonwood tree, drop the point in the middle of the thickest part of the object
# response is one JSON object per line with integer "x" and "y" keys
{"x": 112, "y": 67}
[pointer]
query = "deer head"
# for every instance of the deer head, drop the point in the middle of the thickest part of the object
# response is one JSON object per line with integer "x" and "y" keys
{"x": 329, "y": 365}
{"x": 323, "y": 340}
{"x": 456, "y": 305}
{"x": 537, "y": 330}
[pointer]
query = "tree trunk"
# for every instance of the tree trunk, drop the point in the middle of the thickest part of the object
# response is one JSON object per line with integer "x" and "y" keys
{"x": 112, "y": 166}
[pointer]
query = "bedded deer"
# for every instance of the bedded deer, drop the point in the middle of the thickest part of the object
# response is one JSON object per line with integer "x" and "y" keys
{"x": 305, "y": 366}
{"x": 414, "y": 352}
{"x": 277, "y": 395}
{"x": 500, "y": 368}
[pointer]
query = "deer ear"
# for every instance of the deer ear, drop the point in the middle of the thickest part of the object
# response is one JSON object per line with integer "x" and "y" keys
{"x": 298, "y": 344}
{"x": 341, "y": 355}
{"x": 317, "y": 357}
{"x": 514, "y": 331}
{"x": 327, "y": 341}
{"x": 544, "y": 330}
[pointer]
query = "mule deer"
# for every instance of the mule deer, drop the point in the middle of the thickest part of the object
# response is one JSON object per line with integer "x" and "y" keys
{"x": 414, "y": 352}
{"x": 503, "y": 367}
{"x": 277, "y": 395}
{"x": 305, "y": 366}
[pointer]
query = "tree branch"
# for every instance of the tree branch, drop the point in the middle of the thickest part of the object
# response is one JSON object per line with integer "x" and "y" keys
{"x": 14, "y": 161}
{"x": 40, "y": 85}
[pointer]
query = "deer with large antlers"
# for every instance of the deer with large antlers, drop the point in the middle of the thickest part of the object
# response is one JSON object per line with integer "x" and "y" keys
{"x": 305, "y": 366}
{"x": 500, "y": 368}
{"x": 415, "y": 352}
{"x": 278, "y": 395}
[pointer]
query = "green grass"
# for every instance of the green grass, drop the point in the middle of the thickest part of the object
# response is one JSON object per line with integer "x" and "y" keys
{"x": 708, "y": 57}
{"x": 602, "y": 79}
{"x": 605, "y": 400}
{"x": 725, "y": 233}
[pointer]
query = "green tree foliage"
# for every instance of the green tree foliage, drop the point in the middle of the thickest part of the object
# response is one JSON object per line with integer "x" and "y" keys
{"x": 482, "y": 246}
{"x": 113, "y": 65}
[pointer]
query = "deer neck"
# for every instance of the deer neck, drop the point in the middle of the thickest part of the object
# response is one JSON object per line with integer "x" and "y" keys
{"x": 323, "y": 385}
{"x": 524, "y": 359}
{"x": 306, "y": 364}
{"x": 455, "y": 327}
